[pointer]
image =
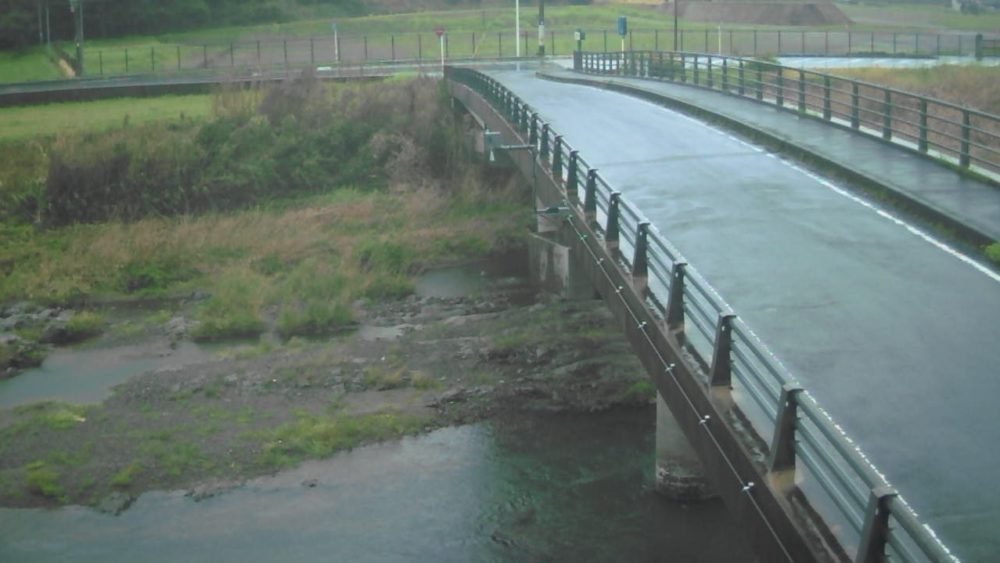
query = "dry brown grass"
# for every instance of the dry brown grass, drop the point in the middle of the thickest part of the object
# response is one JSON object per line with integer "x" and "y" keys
{"x": 977, "y": 87}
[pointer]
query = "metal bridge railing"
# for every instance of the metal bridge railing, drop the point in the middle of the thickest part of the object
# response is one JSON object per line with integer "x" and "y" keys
{"x": 867, "y": 516}
{"x": 964, "y": 136}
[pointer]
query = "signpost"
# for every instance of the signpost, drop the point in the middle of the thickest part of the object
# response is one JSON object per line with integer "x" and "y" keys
{"x": 439, "y": 30}
{"x": 623, "y": 29}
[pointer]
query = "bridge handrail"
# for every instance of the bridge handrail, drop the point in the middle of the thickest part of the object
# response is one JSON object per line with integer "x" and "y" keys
{"x": 945, "y": 130}
{"x": 860, "y": 492}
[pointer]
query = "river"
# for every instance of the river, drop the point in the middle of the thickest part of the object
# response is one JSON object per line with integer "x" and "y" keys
{"x": 538, "y": 488}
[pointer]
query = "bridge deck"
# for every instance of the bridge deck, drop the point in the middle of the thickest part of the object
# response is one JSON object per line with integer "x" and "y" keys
{"x": 961, "y": 199}
{"x": 892, "y": 331}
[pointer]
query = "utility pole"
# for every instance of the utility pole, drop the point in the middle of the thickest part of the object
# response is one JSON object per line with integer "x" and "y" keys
{"x": 76, "y": 6}
{"x": 541, "y": 28}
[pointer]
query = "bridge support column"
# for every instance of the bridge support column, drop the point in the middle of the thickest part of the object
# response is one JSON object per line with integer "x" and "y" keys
{"x": 679, "y": 474}
{"x": 553, "y": 267}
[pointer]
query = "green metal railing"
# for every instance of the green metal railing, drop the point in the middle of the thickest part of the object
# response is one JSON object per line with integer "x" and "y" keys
{"x": 866, "y": 515}
{"x": 964, "y": 136}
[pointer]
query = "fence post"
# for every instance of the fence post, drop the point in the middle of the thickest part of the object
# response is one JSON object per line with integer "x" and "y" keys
{"x": 612, "y": 228}
{"x": 365, "y": 40}
{"x": 887, "y": 116}
{"x": 875, "y": 531}
{"x": 258, "y": 52}
{"x": 590, "y": 197}
{"x": 605, "y": 40}
{"x": 178, "y": 57}
{"x": 557, "y": 158}
{"x": 232, "y": 59}
{"x": 779, "y": 80}
{"x": 284, "y": 46}
{"x": 755, "y": 42}
{"x": 850, "y": 37}
{"x": 100, "y": 63}
{"x": 312, "y": 51}
{"x": 126, "y": 60}
{"x": 706, "y": 40}
{"x": 500, "y": 44}
{"x": 544, "y": 151}
{"x": 827, "y": 113}
{"x": 152, "y": 59}
{"x": 474, "y": 54}
{"x": 923, "y": 125}
{"x": 802, "y": 90}
{"x": 966, "y": 134}
{"x": 871, "y": 46}
{"x": 979, "y": 46}
{"x": 656, "y": 39}
{"x": 420, "y": 49}
{"x": 721, "y": 371}
{"x": 572, "y": 182}
{"x": 855, "y": 110}
{"x": 204, "y": 55}
{"x": 782, "y": 453}
{"x": 675, "y": 300}
{"x": 894, "y": 35}
{"x": 640, "y": 258}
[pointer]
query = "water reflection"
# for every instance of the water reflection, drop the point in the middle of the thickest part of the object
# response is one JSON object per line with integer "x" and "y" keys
{"x": 557, "y": 488}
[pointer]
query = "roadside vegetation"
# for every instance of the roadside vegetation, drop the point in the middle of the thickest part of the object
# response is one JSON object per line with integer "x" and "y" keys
{"x": 974, "y": 86}
{"x": 345, "y": 193}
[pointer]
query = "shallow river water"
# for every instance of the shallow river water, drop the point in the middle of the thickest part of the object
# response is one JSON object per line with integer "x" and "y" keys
{"x": 540, "y": 488}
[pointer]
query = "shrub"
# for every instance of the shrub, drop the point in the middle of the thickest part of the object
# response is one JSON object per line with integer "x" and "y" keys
{"x": 993, "y": 252}
{"x": 43, "y": 480}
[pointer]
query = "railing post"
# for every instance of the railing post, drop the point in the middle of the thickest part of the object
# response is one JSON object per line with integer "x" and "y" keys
{"x": 725, "y": 75}
{"x": 672, "y": 70}
{"x": 964, "y": 157}
{"x": 533, "y": 130}
{"x": 640, "y": 260}
{"x": 557, "y": 160}
{"x": 887, "y": 116}
{"x": 590, "y": 197}
{"x": 544, "y": 151}
{"x": 572, "y": 182}
{"x": 612, "y": 228}
{"x": 855, "y": 109}
{"x": 683, "y": 68}
{"x": 923, "y": 125}
{"x": 779, "y": 81}
{"x": 742, "y": 79}
{"x": 827, "y": 112}
{"x": 782, "y": 453}
{"x": 696, "y": 70}
{"x": 802, "y": 90}
{"x": 675, "y": 299}
{"x": 760, "y": 82}
{"x": 708, "y": 67}
{"x": 875, "y": 532}
{"x": 721, "y": 371}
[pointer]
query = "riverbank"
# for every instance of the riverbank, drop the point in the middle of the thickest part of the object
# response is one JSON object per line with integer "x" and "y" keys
{"x": 410, "y": 366}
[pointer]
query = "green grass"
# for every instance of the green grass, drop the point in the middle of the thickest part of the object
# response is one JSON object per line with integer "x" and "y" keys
{"x": 43, "y": 480}
{"x": 921, "y": 17}
{"x": 23, "y": 122}
{"x": 25, "y": 66}
{"x": 312, "y": 436}
{"x": 993, "y": 253}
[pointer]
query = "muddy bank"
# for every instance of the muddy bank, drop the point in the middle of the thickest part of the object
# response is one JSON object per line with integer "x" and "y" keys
{"x": 411, "y": 366}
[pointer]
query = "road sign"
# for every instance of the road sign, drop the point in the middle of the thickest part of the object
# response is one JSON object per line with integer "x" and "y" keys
{"x": 622, "y": 26}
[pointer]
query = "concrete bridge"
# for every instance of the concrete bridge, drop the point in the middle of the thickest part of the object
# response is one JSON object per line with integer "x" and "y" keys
{"x": 822, "y": 356}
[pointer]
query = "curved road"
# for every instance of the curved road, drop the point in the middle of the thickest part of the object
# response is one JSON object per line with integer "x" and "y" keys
{"x": 896, "y": 334}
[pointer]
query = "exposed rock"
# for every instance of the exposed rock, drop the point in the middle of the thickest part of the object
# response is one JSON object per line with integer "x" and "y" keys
{"x": 115, "y": 503}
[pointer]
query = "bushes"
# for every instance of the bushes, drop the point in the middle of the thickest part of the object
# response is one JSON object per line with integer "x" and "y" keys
{"x": 300, "y": 138}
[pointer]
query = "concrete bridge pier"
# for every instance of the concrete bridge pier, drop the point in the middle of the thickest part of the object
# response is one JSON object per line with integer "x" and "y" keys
{"x": 555, "y": 269}
{"x": 679, "y": 474}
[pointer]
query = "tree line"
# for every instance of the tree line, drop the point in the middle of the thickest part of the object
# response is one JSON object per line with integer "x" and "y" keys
{"x": 25, "y": 22}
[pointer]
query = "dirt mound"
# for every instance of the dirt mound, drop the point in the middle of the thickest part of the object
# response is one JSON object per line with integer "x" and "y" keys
{"x": 764, "y": 13}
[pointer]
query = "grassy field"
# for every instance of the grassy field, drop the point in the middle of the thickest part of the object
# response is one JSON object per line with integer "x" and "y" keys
{"x": 27, "y": 66}
{"x": 23, "y": 122}
{"x": 922, "y": 17}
